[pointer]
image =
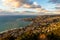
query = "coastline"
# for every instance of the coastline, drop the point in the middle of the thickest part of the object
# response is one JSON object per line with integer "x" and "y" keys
{"x": 41, "y": 24}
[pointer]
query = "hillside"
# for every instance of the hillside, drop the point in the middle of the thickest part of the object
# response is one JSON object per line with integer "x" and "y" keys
{"x": 46, "y": 27}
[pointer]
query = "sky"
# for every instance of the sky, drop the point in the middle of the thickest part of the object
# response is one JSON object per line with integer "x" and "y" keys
{"x": 45, "y": 4}
{"x": 26, "y": 5}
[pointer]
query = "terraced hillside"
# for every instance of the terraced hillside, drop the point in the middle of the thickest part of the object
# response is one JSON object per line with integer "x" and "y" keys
{"x": 46, "y": 27}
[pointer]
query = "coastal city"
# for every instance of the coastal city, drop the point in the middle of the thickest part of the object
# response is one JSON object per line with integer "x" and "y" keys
{"x": 29, "y": 19}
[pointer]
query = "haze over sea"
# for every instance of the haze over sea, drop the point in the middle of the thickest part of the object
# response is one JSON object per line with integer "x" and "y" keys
{"x": 11, "y": 22}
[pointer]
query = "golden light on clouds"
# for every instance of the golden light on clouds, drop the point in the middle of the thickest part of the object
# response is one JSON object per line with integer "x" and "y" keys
{"x": 19, "y": 3}
{"x": 27, "y": 6}
{"x": 39, "y": 9}
{"x": 16, "y": 4}
{"x": 12, "y": 3}
{"x": 9, "y": 0}
{"x": 22, "y": 3}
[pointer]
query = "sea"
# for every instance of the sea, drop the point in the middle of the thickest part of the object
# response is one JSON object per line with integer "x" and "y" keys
{"x": 13, "y": 21}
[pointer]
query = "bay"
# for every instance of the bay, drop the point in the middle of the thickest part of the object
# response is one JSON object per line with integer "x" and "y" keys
{"x": 11, "y": 22}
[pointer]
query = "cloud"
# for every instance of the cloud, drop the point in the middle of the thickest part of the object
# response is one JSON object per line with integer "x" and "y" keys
{"x": 12, "y": 3}
{"x": 19, "y": 3}
{"x": 57, "y": 2}
{"x": 27, "y": 6}
{"x": 33, "y": 5}
{"x": 54, "y": 1}
{"x": 1, "y": 10}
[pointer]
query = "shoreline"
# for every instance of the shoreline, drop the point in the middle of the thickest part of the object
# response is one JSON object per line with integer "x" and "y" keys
{"x": 25, "y": 19}
{"x": 10, "y": 30}
{"x": 40, "y": 25}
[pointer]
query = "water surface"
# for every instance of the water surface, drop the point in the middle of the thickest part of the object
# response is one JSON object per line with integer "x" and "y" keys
{"x": 11, "y": 22}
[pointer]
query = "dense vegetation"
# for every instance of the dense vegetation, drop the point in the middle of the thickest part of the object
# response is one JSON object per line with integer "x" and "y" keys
{"x": 46, "y": 27}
